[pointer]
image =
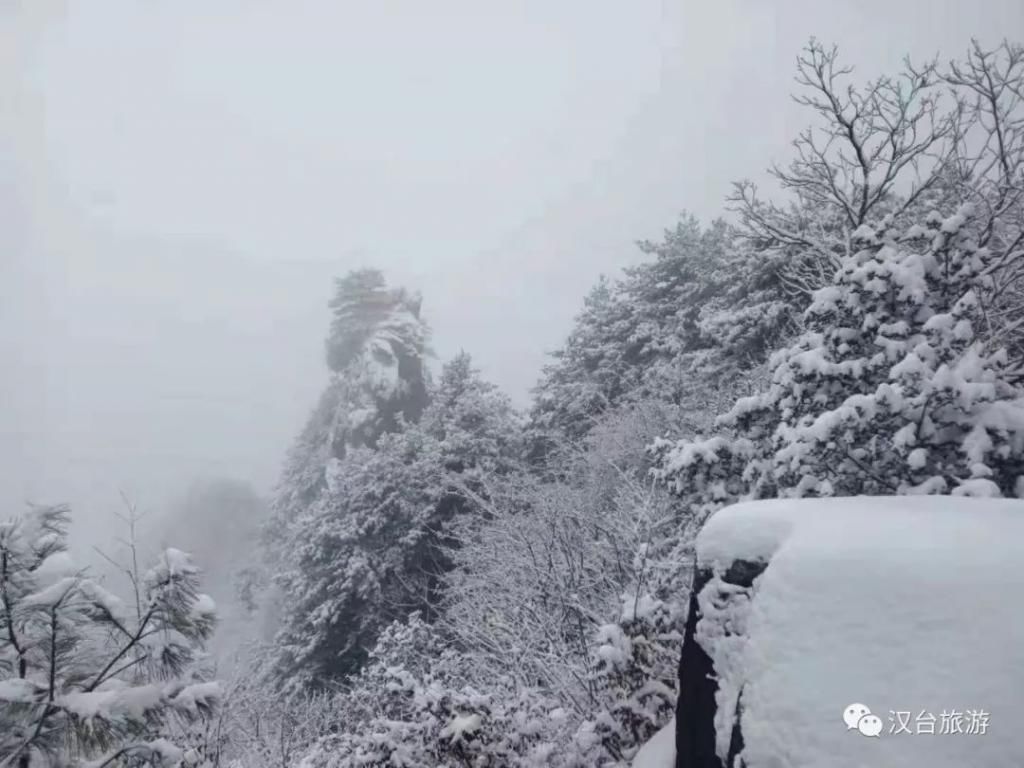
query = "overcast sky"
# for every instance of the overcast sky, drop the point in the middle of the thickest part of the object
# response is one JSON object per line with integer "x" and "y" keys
{"x": 180, "y": 180}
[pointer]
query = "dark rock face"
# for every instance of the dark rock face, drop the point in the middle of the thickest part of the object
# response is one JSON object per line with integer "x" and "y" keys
{"x": 695, "y": 707}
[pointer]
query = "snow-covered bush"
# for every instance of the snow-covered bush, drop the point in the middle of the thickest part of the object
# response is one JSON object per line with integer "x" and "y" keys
{"x": 684, "y": 328}
{"x": 256, "y": 726}
{"x": 85, "y": 678}
{"x": 635, "y": 670}
{"x": 411, "y": 706}
{"x": 538, "y": 580}
{"x": 907, "y": 378}
{"x": 545, "y": 569}
{"x": 895, "y": 386}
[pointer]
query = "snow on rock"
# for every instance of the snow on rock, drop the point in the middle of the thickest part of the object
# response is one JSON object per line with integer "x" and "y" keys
{"x": 333, "y": 473}
{"x": 724, "y": 609}
{"x": 904, "y": 604}
{"x": 660, "y": 750}
{"x": 380, "y": 366}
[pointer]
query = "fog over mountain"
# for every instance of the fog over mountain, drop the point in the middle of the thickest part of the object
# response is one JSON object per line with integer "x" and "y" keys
{"x": 176, "y": 214}
{"x": 371, "y": 369}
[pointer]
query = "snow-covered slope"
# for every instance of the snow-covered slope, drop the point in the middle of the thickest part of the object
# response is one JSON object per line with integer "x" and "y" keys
{"x": 911, "y": 606}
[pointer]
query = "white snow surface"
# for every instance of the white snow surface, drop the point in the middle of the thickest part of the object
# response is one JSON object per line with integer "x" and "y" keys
{"x": 904, "y": 604}
{"x": 204, "y": 605}
{"x": 57, "y": 566}
{"x": 18, "y": 690}
{"x": 660, "y": 750}
{"x": 460, "y": 726}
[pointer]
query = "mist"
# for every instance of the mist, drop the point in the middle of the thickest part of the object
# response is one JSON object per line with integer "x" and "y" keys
{"x": 510, "y": 383}
{"x": 184, "y": 180}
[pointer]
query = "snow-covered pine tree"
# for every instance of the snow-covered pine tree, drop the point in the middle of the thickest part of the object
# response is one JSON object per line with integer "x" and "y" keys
{"x": 374, "y": 545}
{"x": 908, "y": 378}
{"x": 472, "y": 437}
{"x": 896, "y": 386}
{"x": 84, "y": 678}
{"x": 303, "y": 477}
{"x": 666, "y": 331}
{"x": 587, "y": 375}
{"x": 472, "y": 421}
{"x": 700, "y": 350}
{"x": 378, "y": 384}
{"x": 217, "y": 521}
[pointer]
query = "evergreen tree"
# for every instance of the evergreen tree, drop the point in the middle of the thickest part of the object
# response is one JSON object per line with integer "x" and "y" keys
{"x": 218, "y": 520}
{"x": 588, "y": 374}
{"x": 907, "y": 378}
{"x": 374, "y": 545}
{"x": 711, "y": 308}
{"x": 303, "y": 477}
{"x": 689, "y": 327}
{"x": 84, "y": 679}
{"x": 378, "y": 384}
{"x": 894, "y": 387}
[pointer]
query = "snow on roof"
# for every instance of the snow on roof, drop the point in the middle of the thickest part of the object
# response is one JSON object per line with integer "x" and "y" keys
{"x": 911, "y": 606}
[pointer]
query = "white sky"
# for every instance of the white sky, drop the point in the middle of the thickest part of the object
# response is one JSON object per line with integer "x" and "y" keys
{"x": 188, "y": 176}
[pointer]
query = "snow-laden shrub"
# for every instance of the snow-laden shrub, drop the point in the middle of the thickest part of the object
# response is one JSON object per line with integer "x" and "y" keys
{"x": 84, "y": 677}
{"x": 896, "y": 385}
{"x": 411, "y": 706}
{"x": 633, "y": 671}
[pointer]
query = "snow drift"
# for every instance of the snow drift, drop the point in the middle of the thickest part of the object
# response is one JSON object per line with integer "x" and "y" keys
{"x": 904, "y": 604}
